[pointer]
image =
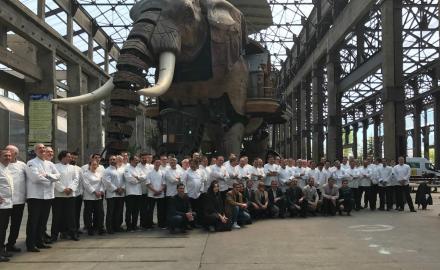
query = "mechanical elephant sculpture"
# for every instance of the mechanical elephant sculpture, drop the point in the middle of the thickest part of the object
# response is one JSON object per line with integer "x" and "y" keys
{"x": 198, "y": 50}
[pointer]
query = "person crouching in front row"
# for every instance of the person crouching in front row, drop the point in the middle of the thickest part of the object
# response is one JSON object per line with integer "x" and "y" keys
{"x": 180, "y": 214}
{"x": 214, "y": 211}
{"x": 345, "y": 200}
{"x": 235, "y": 208}
{"x": 296, "y": 203}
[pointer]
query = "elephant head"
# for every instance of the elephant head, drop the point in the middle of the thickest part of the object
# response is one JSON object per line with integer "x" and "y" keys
{"x": 167, "y": 33}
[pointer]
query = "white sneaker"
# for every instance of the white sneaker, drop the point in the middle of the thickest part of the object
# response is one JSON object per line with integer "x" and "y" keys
{"x": 235, "y": 226}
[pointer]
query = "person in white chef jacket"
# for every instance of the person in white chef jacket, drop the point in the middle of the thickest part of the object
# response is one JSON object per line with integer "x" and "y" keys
{"x": 156, "y": 195}
{"x": 193, "y": 181}
{"x": 114, "y": 193}
{"x": 243, "y": 170}
{"x": 134, "y": 179}
{"x": 145, "y": 166}
{"x": 257, "y": 173}
{"x": 402, "y": 173}
{"x": 63, "y": 216}
{"x": 365, "y": 183}
{"x": 42, "y": 175}
{"x": 93, "y": 196}
{"x": 285, "y": 176}
{"x": 339, "y": 174}
{"x": 173, "y": 176}
{"x": 321, "y": 178}
{"x": 17, "y": 170}
{"x": 220, "y": 174}
{"x": 271, "y": 171}
{"x": 6, "y": 203}
{"x": 353, "y": 183}
{"x": 384, "y": 174}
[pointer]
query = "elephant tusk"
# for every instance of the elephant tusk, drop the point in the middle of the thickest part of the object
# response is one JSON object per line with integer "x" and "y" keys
{"x": 99, "y": 94}
{"x": 167, "y": 63}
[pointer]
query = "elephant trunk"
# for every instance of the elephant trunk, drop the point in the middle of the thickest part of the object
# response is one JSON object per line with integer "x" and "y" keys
{"x": 148, "y": 44}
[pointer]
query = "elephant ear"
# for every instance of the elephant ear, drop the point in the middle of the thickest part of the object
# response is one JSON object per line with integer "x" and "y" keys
{"x": 228, "y": 34}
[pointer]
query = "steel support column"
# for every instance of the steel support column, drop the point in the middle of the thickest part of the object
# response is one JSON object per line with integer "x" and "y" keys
{"x": 293, "y": 127}
{"x": 377, "y": 142}
{"x": 334, "y": 119}
{"x": 392, "y": 68}
{"x": 93, "y": 122}
{"x": 365, "y": 124}
{"x": 417, "y": 149}
{"x": 304, "y": 118}
{"x": 317, "y": 114}
{"x": 437, "y": 130}
{"x": 354, "y": 146}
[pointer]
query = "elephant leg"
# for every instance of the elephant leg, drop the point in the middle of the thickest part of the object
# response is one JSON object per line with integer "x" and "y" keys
{"x": 232, "y": 139}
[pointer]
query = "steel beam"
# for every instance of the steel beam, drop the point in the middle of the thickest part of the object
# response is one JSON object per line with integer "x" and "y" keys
{"x": 20, "y": 64}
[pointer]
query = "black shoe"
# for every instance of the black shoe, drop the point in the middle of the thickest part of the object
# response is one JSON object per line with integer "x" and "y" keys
{"x": 63, "y": 236}
{"x": 43, "y": 246}
{"x": 74, "y": 238}
{"x": 381, "y": 209}
{"x": 400, "y": 209}
{"x": 110, "y": 232}
{"x": 4, "y": 259}
{"x": 6, "y": 254}
{"x": 13, "y": 249}
{"x": 413, "y": 210}
{"x": 101, "y": 232}
{"x": 91, "y": 232}
{"x": 33, "y": 249}
{"x": 79, "y": 232}
{"x": 52, "y": 240}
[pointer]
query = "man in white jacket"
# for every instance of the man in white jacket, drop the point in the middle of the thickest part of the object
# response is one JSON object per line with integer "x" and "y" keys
{"x": 63, "y": 216}
{"x": 17, "y": 170}
{"x": 134, "y": 179}
{"x": 145, "y": 166}
{"x": 383, "y": 174}
{"x": 6, "y": 204}
{"x": 402, "y": 172}
{"x": 114, "y": 193}
{"x": 39, "y": 193}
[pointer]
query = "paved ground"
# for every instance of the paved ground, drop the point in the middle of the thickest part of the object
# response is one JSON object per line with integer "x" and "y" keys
{"x": 368, "y": 240}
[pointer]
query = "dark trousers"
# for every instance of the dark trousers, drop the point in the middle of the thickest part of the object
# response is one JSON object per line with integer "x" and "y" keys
{"x": 382, "y": 196}
{"x": 357, "y": 198}
{"x": 16, "y": 217}
{"x": 63, "y": 216}
{"x": 278, "y": 209}
{"x": 132, "y": 205}
{"x": 372, "y": 196}
{"x": 390, "y": 194}
{"x": 114, "y": 215}
{"x": 197, "y": 206}
{"x": 180, "y": 221}
{"x": 5, "y": 215}
{"x": 78, "y": 205}
{"x": 328, "y": 208}
{"x": 143, "y": 209}
{"x": 161, "y": 211}
{"x": 38, "y": 213}
{"x": 93, "y": 215}
{"x": 295, "y": 211}
{"x": 347, "y": 204}
{"x": 403, "y": 193}
{"x": 213, "y": 220}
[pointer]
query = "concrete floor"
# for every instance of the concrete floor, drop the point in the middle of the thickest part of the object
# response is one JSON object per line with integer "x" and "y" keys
{"x": 368, "y": 240}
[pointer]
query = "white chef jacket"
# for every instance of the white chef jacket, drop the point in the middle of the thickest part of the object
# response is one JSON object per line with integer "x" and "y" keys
{"x": 100, "y": 168}
{"x": 206, "y": 177}
{"x": 232, "y": 174}
{"x": 133, "y": 186}
{"x": 353, "y": 177}
{"x": 146, "y": 169}
{"x": 6, "y": 187}
{"x": 321, "y": 178}
{"x": 92, "y": 183}
{"x": 18, "y": 172}
{"x": 364, "y": 176}
{"x": 41, "y": 177}
{"x": 156, "y": 179}
{"x": 221, "y": 175}
{"x": 384, "y": 175}
{"x": 243, "y": 172}
{"x": 270, "y": 168}
{"x": 373, "y": 173}
{"x": 340, "y": 175}
{"x": 256, "y": 173}
{"x": 302, "y": 180}
{"x": 80, "y": 189}
{"x": 284, "y": 178}
{"x": 171, "y": 180}
{"x": 113, "y": 178}
{"x": 69, "y": 178}
{"x": 193, "y": 183}
{"x": 402, "y": 173}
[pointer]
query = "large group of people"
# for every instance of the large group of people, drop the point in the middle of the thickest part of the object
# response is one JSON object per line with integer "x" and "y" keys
{"x": 213, "y": 194}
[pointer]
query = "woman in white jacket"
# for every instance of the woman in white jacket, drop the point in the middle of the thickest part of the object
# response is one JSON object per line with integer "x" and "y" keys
{"x": 93, "y": 197}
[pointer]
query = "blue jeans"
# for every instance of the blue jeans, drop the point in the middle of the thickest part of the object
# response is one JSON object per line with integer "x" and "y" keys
{"x": 239, "y": 215}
